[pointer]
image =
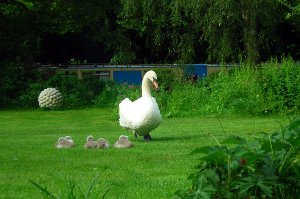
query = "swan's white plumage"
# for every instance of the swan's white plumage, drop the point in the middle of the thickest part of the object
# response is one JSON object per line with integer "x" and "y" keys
{"x": 142, "y": 115}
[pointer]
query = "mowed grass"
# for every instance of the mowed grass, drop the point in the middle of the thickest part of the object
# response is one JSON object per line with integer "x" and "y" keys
{"x": 148, "y": 170}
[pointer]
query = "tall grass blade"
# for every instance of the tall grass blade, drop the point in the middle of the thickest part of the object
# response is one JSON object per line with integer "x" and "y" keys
{"x": 87, "y": 195}
{"x": 222, "y": 126}
{"x": 44, "y": 190}
{"x": 105, "y": 193}
{"x": 215, "y": 139}
{"x": 70, "y": 189}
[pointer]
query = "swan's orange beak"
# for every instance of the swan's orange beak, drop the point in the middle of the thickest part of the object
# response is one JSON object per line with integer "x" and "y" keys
{"x": 155, "y": 84}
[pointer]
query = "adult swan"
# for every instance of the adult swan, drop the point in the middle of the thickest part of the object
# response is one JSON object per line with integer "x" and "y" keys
{"x": 142, "y": 115}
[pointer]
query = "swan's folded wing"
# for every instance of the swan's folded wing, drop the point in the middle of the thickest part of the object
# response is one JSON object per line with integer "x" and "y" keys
{"x": 126, "y": 113}
{"x": 142, "y": 115}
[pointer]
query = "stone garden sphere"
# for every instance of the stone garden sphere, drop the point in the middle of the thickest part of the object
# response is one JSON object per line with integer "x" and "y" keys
{"x": 50, "y": 98}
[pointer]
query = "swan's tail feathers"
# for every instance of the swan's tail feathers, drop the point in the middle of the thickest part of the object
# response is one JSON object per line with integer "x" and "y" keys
{"x": 126, "y": 111}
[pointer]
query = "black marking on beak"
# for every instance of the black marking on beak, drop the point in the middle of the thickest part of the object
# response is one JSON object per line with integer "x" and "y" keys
{"x": 155, "y": 83}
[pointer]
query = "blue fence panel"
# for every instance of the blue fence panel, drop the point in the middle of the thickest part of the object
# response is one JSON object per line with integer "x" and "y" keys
{"x": 200, "y": 70}
{"x": 195, "y": 69}
{"x": 130, "y": 77}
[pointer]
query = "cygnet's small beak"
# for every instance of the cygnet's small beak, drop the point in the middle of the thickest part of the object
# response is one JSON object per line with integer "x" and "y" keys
{"x": 155, "y": 84}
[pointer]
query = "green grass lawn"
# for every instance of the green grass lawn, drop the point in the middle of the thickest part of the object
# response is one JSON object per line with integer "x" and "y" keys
{"x": 149, "y": 170}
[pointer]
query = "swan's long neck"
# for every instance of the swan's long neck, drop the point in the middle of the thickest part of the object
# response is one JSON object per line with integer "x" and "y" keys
{"x": 146, "y": 87}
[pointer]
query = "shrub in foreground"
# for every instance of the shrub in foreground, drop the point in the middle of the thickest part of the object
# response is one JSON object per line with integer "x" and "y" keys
{"x": 266, "y": 167}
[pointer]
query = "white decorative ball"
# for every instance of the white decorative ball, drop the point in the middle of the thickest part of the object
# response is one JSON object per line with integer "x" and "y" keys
{"x": 50, "y": 98}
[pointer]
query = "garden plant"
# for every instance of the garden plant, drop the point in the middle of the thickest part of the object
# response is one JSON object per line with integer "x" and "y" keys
{"x": 265, "y": 167}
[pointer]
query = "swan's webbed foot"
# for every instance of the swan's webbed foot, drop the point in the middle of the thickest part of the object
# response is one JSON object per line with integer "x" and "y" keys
{"x": 147, "y": 138}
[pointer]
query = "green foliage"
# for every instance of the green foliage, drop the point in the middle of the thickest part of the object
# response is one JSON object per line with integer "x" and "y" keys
{"x": 15, "y": 80}
{"x": 270, "y": 88}
{"x": 186, "y": 99}
{"x": 74, "y": 61}
{"x": 107, "y": 98}
{"x": 113, "y": 94}
{"x": 280, "y": 83}
{"x": 168, "y": 79}
{"x": 236, "y": 90}
{"x": 123, "y": 58}
{"x": 266, "y": 167}
{"x": 29, "y": 98}
{"x": 76, "y": 93}
{"x": 241, "y": 90}
{"x": 147, "y": 31}
{"x": 9, "y": 87}
{"x": 294, "y": 9}
{"x": 128, "y": 91}
{"x": 230, "y": 30}
{"x": 232, "y": 91}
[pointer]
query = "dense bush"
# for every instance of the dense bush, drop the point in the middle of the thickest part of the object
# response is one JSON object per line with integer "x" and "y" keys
{"x": 267, "y": 167}
{"x": 280, "y": 83}
{"x": 29, "y": 97}
{"x": 271, "y": 88}
{"x": 113, "y": 94}
{"x": 76, "y": 93}
{"x": 236, "y": 91}
{"x": 232, "y": 91}
{"x": 12, "y": 84}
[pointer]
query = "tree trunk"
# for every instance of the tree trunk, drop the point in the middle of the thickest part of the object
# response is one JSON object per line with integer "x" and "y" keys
{"x": 250, "y": 31}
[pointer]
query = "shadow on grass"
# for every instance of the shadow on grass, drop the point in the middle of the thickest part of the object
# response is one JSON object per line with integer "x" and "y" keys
{"x": 174, "y": 138}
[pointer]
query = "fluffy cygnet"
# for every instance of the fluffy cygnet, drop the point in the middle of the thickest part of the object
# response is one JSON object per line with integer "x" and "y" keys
{"x": 123, "y": 142}
{"x": 90, "y": 143}
{"x": 65, "y": 142}
{"x": 102, "y": 143}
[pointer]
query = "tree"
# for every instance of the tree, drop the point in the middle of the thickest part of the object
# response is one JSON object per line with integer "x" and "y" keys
{"x": 159, "y": 31}
{"x": 189, "y": 31}
{"x": 292, "y": 19}
{"x": 237, "y": 30}
{"x": 143, "y": 29}
{"x": 29, "y": 26}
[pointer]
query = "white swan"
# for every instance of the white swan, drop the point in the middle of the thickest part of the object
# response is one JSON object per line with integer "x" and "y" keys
{"x": 142, "y": 115}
